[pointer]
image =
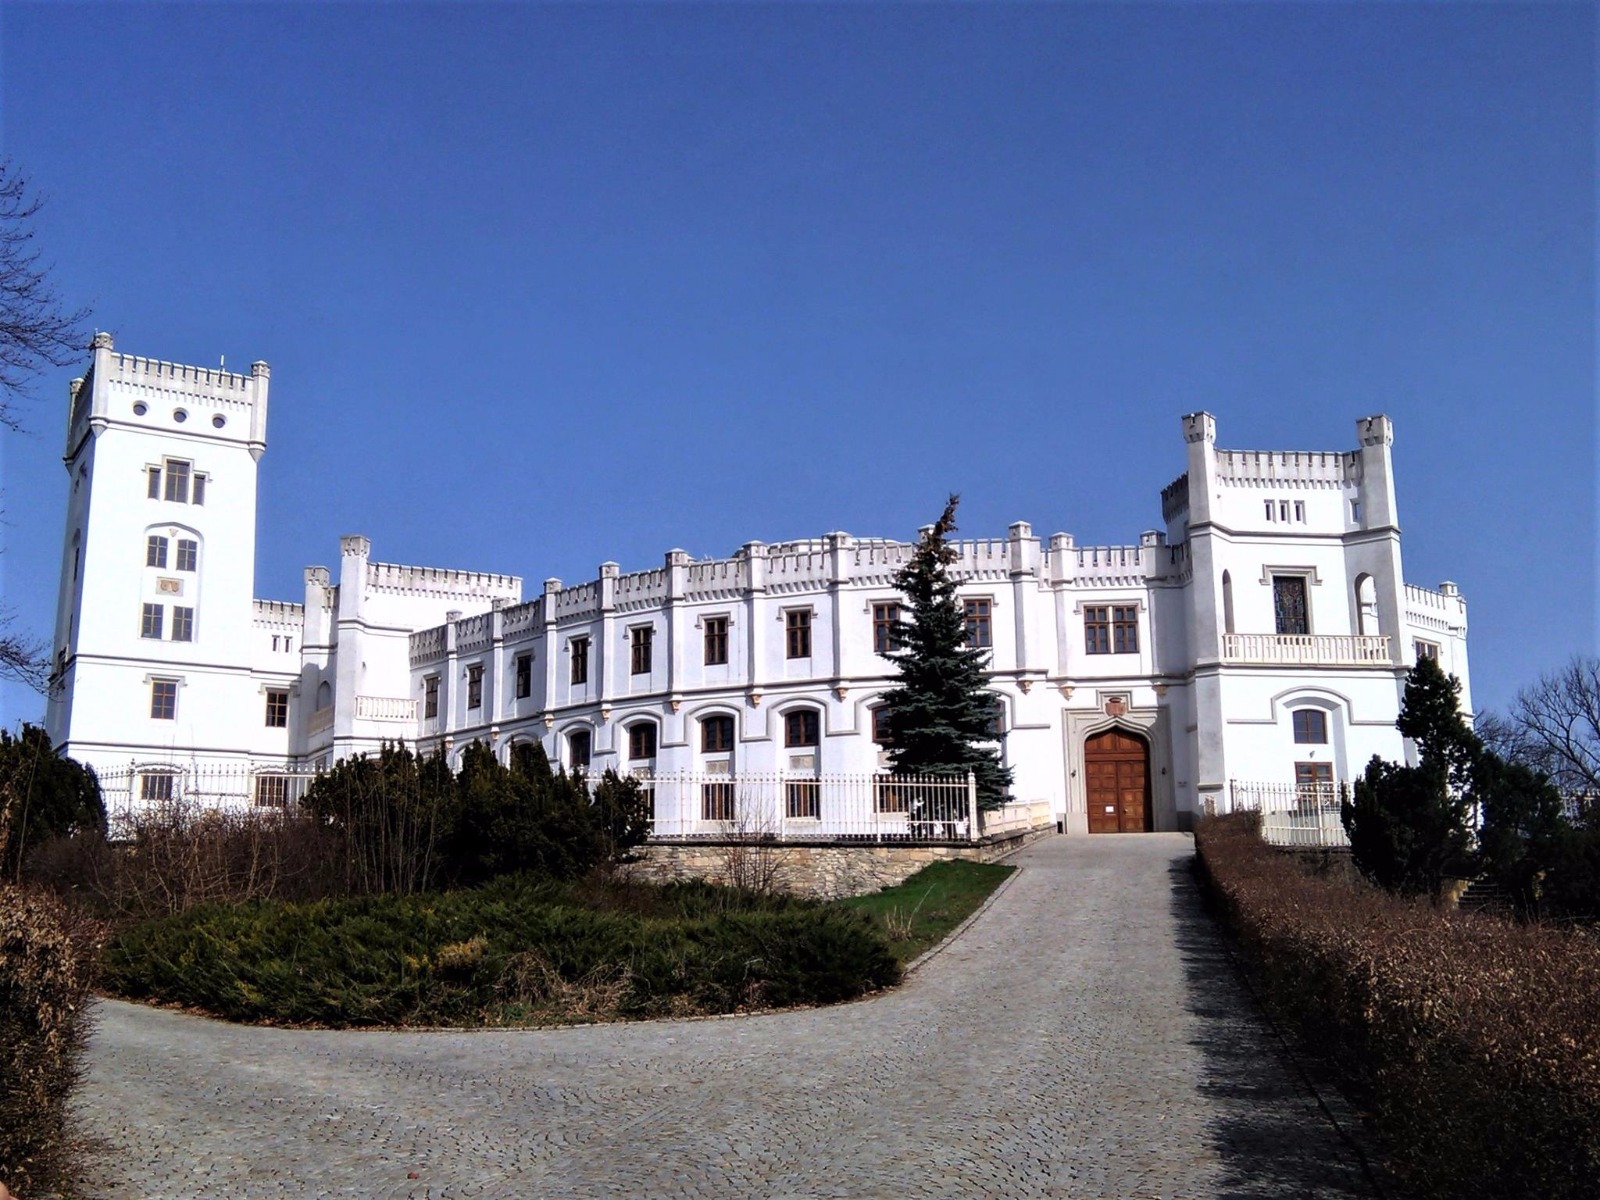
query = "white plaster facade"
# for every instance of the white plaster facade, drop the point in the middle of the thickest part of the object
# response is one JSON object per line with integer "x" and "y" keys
{"x": 1200, "y": 668}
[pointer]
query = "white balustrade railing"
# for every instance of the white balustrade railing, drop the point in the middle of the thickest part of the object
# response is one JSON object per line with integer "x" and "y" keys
{"x": 386, "y": 708}
{"x": 1358, "y": 649}
{"x": 1017, "y": 818}
{"x": 1292, "y": 814}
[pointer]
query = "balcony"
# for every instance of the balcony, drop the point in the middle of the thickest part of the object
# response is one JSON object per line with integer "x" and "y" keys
{"x": 1308, "y": 649}
{"x": 386, "y": 708}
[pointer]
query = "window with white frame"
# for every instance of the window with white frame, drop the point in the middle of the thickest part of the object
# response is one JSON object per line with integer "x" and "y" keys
{"x": 155, "y": 551}
{"x": 164, "y": 699}
{"x": 797, "y": 633}
{"x": 524, "y": 676}
{"x": 716, "y": 641}
{"x": 641, "y": 740}
{"x": 1310, "y": 726}
{"x": 188, "y": 554}
{"x": 182, "y": 623}
{"x": 580, "y": 749}
{"x": 641, "y": 639}
{"x": 151, "y": 621}
{"x": 277, "y": 708}
{"x": 475, "y": 685}
{"x": 977, "y": 617}
{"x": 156, "y": 786}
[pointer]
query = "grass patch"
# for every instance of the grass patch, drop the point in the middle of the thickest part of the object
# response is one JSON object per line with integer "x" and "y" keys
{"x": 514, "y": 951}
{"x": 921, "y": 912}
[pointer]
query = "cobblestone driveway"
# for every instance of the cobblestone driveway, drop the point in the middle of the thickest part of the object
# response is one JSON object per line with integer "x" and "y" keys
{"x": 1085, "y": 1038}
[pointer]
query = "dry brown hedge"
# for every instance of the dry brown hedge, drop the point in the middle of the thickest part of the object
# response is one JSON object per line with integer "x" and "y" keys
{"x": 47, "y": 957}
{"x": 1474, "y": 1042}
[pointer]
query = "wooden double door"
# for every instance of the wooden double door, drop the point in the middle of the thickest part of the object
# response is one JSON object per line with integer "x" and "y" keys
{"x": 1116, "y": 771}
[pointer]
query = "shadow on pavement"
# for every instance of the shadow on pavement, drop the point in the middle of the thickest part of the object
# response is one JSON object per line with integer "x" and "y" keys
{"x": 1273, "y": 1139}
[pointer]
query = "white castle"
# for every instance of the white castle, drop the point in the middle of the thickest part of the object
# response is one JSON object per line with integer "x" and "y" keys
{"x": 1259, "y": 640}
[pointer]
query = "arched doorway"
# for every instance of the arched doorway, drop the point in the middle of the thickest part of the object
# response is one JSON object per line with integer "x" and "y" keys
{"x": 1116, "y": 772}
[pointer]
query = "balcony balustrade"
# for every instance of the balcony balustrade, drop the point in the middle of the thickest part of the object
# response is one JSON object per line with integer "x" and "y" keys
{"x": 1308, "y": 649}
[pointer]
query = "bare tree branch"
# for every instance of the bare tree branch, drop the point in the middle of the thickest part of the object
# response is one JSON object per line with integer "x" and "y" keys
{"x": 1554, "y": 725}
{"x": 36, "y": 331}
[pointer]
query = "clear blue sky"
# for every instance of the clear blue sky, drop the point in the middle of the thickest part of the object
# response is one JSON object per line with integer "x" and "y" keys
{"x": 543, "y": 286}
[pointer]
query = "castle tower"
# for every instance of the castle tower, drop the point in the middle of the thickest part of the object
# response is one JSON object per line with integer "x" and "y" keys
{"x": 153, "y": 634}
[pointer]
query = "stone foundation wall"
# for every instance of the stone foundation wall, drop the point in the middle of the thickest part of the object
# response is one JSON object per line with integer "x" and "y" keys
{"x": 824, "y": 871}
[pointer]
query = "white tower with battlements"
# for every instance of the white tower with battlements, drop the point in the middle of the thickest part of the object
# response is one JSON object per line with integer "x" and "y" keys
{"x": 158, "y": 653}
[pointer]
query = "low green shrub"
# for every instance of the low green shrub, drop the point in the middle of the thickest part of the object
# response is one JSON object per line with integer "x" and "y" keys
{"x": 1474, "y": 1042}
{"x": 47, "y": 957}
{"x": 517, "y": 949}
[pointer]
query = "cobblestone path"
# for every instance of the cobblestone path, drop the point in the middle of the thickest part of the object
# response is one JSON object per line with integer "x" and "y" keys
{"x": 1086, "y": 1037}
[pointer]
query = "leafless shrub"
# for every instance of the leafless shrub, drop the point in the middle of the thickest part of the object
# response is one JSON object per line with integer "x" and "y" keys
{"x": 1475, "y": 1042}
{"x": 47, "y": 956}
{"x": 532, "y": 982}
{"x": 753, "y": 859}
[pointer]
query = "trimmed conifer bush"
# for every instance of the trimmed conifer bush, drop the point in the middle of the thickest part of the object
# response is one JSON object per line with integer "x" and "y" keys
{"x": 514, "y": 950}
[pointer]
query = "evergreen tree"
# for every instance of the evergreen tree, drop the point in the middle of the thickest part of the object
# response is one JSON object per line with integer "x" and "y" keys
{"x": 941, "y": 714}
{"x": 41, "y": 795}
{"x": 1411, "y": 827}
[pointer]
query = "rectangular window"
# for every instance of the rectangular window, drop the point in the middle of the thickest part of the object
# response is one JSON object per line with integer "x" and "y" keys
{"x": 200, "y": 489}
{"x": 155, "y": 551}
{"x": 797, "y": 632}
{"x": 475, "y": 686}
{"x": 1313, "y": 781}
{"x": 977, "y": 615}
{"x": 182, "y": 624}
{"x": 1310, "y": 726}
{"x": 524, "y": 676}
{"x": 1283, "y": 510}
{"x": 1289, "y": 604}
{"x": 642, "y": 740}
{"x": 716, "y": 641}
{"x": 1270, "y": 509}
{"x": 884, "y": 617}
{"x": 277, "y": 708}
{"x": 882, "y": 730}
{"x": 716, "y": 734}
{"x": 164, "y": 699}
{"x": 579, "y": 750}
{"x": 430, "y": 697}
{"x": 639, "y": 642}
{"x": 1097, "y": 629}
{"x": 150, "y": 623}
{"x": 153, "y": 476}
{"x": 803, "y": 799}
{"x": 177, "y": 481}
{"x": 1355, "y": 512}
{"x": 716, "y": 801}
{"x": 272, "y": 791}
{"x": 155, "y": 786}
{"x": 1426, "y": 650}
{"x": 1125, "y": 629}
{"x": 801, "y": 727}
{"x": 579, "y": 649}
{"x": 188, "y": 552}
{"x": 1300, "y": 511}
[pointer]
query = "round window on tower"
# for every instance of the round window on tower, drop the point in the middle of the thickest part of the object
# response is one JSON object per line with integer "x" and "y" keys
{"x": 219, "y": 421}
{"x": 140, "y": 408}
{"x": 180, "y": 416}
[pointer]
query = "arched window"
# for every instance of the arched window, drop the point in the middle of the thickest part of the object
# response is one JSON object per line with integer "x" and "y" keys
{"x": 641, "y": 740}
{"x": 716, "y": 734}
{"x": 1366, "y": 604}
{"x": 1310, "y": 726}
{"x": 1227, "y": 603}
{"x": 580, "y": 749}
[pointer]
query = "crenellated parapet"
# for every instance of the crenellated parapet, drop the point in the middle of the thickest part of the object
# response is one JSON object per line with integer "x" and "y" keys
{"x": 1290, "y": 468}
{"x": 279, "y": 615}
{"x": 441, "y": 582}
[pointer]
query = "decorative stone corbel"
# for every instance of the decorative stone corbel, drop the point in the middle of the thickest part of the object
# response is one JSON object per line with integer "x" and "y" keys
{"x": 1066, "y": 691}
{"x": 841, "y": 691}
{"x": 675, "y": 704}
{"x": 1025, "y": 686}
{"x": 549, "y": 719}
{"x": 755, "y": 699}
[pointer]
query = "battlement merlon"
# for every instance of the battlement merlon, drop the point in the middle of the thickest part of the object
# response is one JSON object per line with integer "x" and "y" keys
{"x": 215, "y": 404}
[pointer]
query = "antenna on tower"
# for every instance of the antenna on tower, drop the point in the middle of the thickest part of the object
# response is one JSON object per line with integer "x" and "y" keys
{"x": 222, "y": 361}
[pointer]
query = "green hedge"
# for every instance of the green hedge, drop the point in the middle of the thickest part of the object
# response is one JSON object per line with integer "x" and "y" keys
{"x": 512, "y": 951}
{"x": 46, "y": 963}
{"x": 1474, "y": 1042}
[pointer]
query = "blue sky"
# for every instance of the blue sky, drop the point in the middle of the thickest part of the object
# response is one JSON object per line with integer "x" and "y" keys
{"x": 543, "y": 286}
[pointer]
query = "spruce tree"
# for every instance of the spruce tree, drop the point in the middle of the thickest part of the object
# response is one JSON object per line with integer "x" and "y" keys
{"x": 941, "y": 713}
{"x": 1411, "y": 827}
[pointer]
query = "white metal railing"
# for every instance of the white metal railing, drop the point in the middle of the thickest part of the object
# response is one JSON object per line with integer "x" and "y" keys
{"x": 1292, "y": 814}
{"x": 386, "y": 708}
{"x": 791, "y": 807}
{"x": 319, "y": 720}
{"x": 1353, "y": 649}
{"x": 176, "y": 789}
